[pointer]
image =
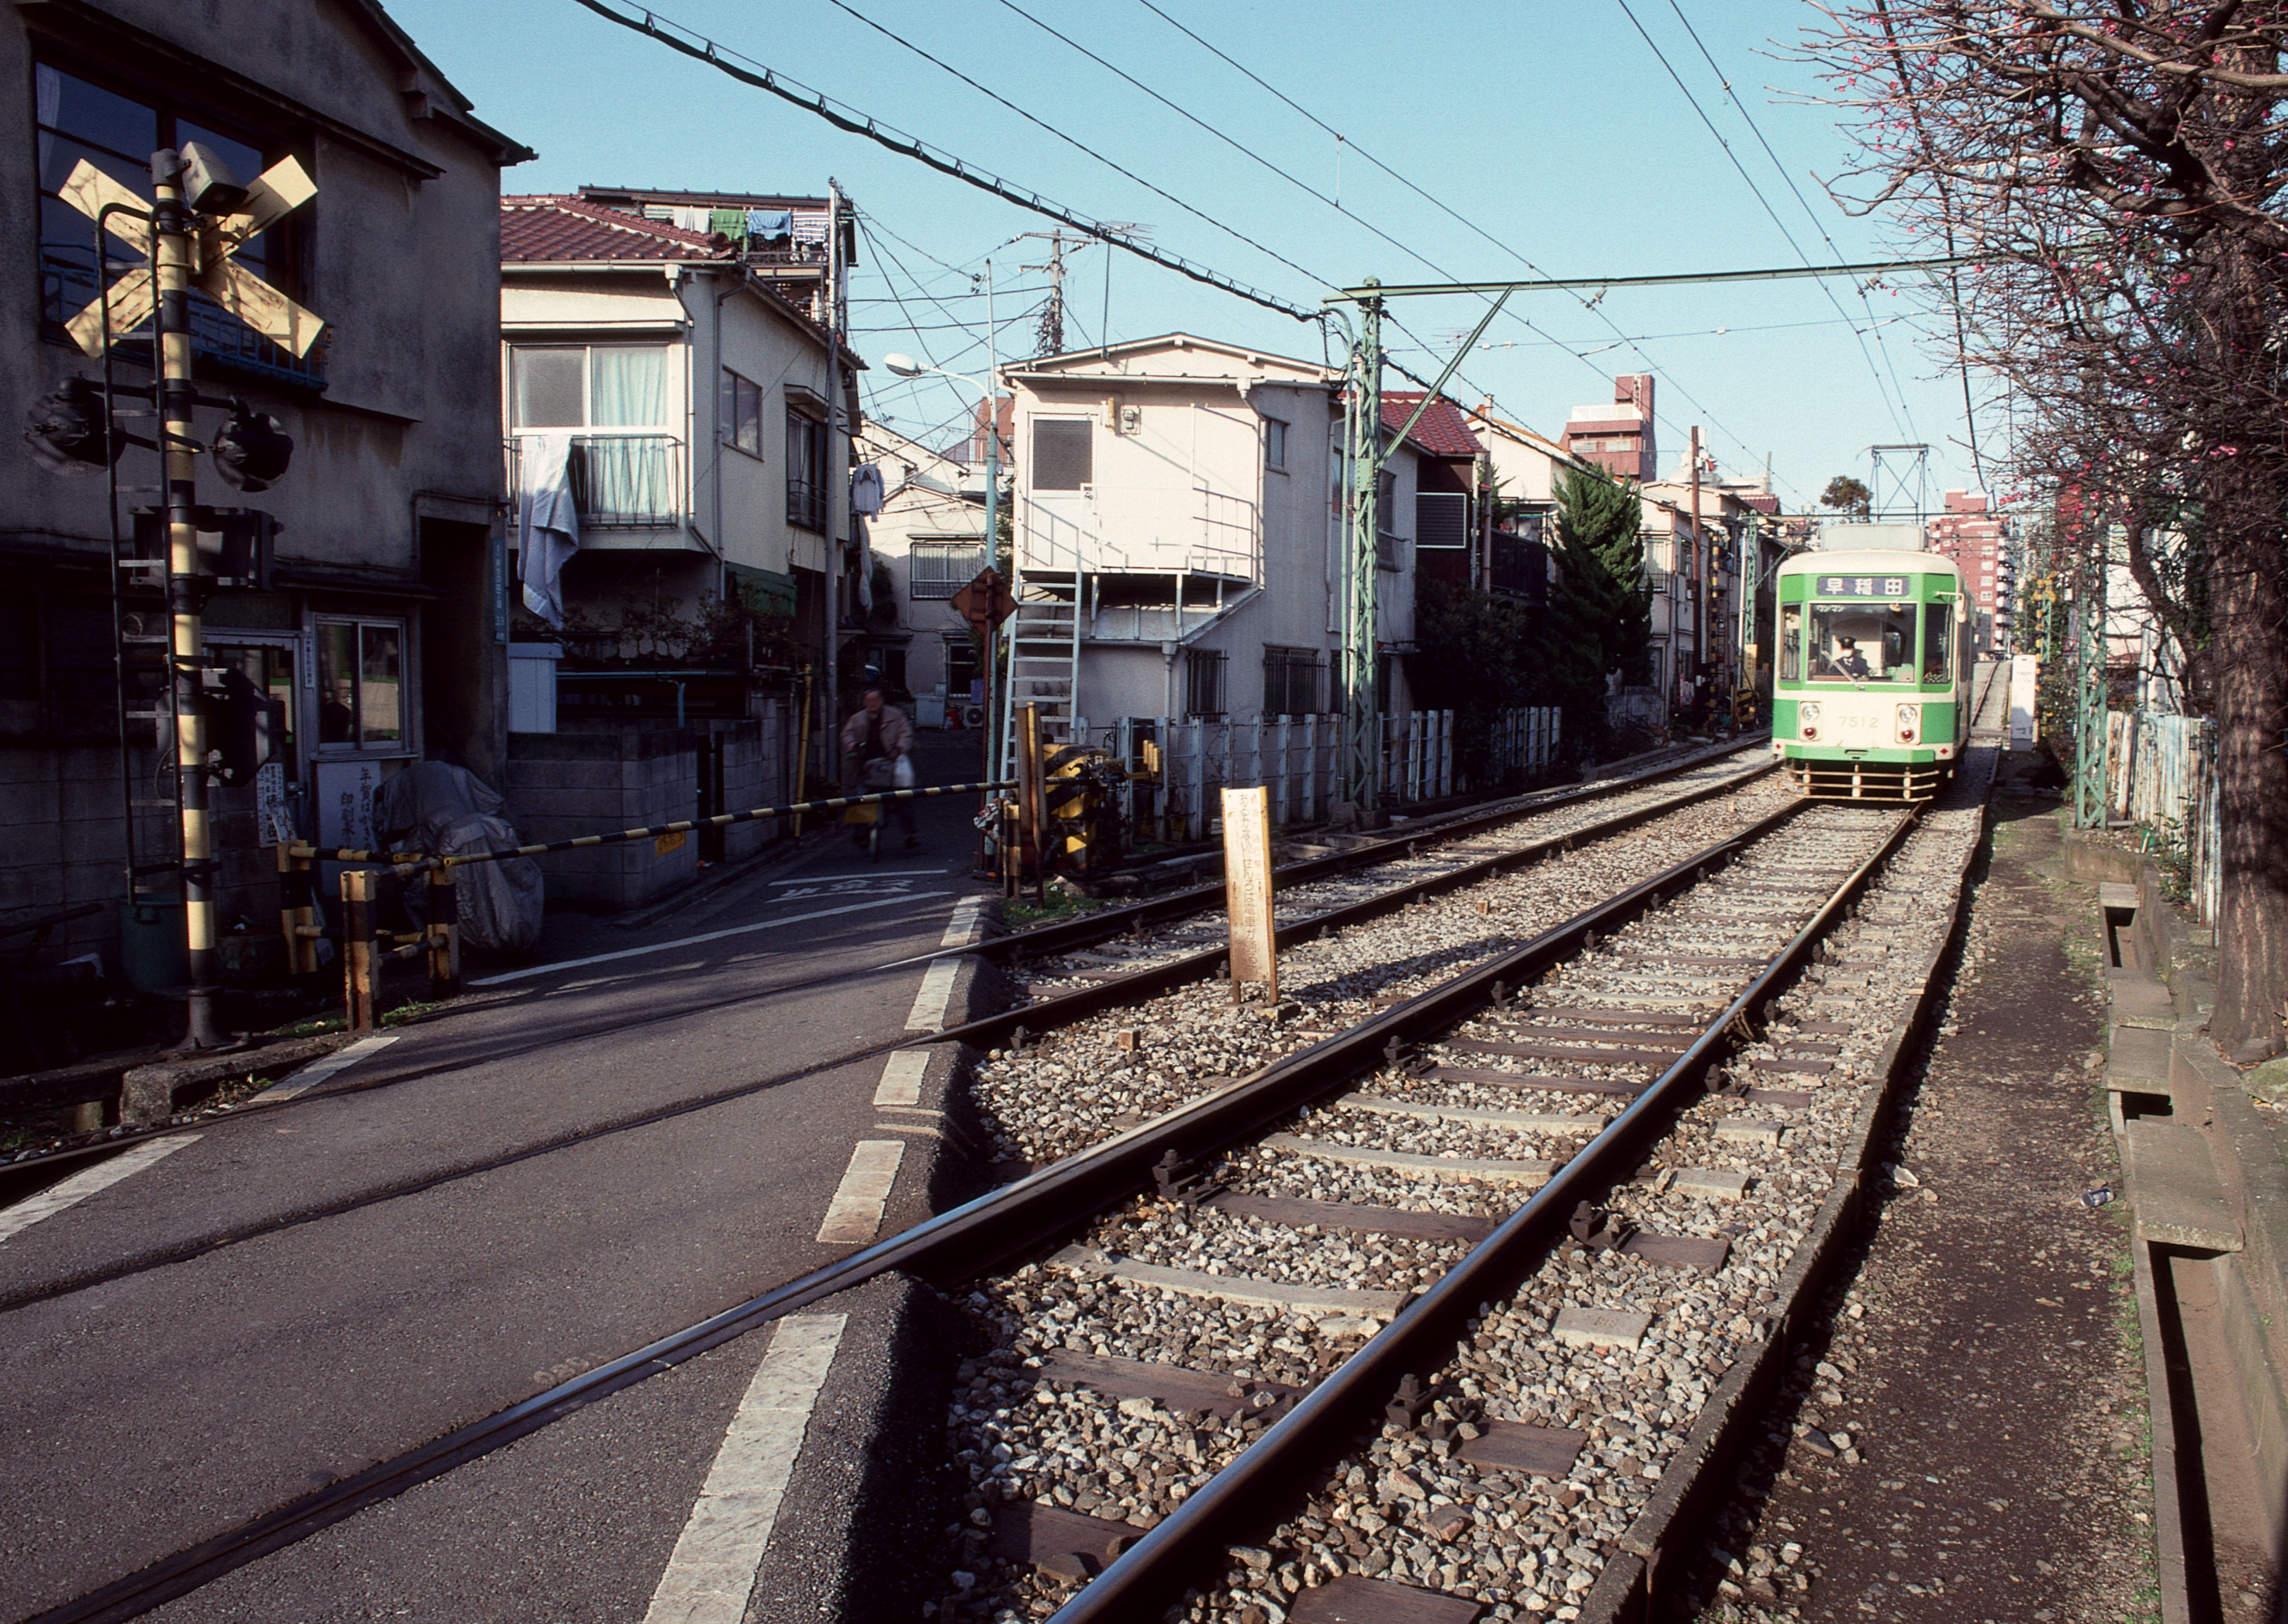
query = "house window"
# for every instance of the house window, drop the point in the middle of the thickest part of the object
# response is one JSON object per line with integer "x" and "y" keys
{"x": 742, "y": 414}
{"x": 806, "y": 471}
{"x": 940, "y": 569}
{"x": 362, "y": 684}
{"x": 624, "y": 466}
{"x": 1063, "y": 454}
{"x": 270, "y": 668}
{"x": 1202, "y": 682}
{"x": 964, "y": 672}
{"x": 589, "y": 386}
{"x": 1291, "y": 682}
{"x": 76, "y": 119}
{"x": 1275, "y": 443}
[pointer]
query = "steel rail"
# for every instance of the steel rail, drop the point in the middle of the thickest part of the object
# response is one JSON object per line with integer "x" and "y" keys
{"x": 1266, "y": 1476}
{"x": 944, "y": 1250}
{"x": 1110, "y": 923}
{"x": 1064, "y": 1008}
{"x": 1006, "y": 949}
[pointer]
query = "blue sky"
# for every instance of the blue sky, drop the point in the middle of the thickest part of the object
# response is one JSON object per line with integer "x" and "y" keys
{"x": 1551, "y": 128}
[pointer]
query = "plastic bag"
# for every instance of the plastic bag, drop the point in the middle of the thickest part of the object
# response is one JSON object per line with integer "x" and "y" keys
{"x": 902, "y": 777}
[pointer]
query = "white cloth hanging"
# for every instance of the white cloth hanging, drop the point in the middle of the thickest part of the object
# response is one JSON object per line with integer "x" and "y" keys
{"x": 548, "y": 520}
{"x": 866, "y": 490}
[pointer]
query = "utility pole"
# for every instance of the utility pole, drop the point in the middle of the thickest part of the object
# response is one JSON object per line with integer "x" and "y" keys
{"x": 1699, "y": 568}
{"x": 1362, "y": 603}
{"x": 1049, "y": 337}
{"x": 840, "y": 549}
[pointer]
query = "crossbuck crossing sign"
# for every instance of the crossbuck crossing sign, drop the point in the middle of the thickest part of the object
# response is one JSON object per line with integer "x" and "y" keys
{"x": 284, "y": 187}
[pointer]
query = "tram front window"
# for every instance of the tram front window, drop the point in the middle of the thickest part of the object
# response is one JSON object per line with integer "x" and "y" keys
{"x": 1862, "y": 643}
{"x": 1791, "y": 643}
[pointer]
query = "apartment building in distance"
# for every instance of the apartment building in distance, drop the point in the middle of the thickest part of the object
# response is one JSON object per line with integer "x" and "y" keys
{"x": 1969, "y": 531}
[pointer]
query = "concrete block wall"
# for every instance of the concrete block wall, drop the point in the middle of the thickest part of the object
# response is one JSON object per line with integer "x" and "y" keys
{"x": 591, "y": 782}
{"x": 62, "y": 843}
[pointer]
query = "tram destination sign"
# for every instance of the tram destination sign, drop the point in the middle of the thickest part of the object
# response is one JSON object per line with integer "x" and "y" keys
{"x": 1861, "y": 586}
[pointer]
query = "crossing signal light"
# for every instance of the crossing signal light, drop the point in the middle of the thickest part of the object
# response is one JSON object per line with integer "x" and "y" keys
{"x": 68, "y": 432}
{"x": 252, "y": 450}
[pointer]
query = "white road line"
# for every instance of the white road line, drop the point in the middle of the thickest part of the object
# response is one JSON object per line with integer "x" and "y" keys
{"x": 857, "y": 874}
{"x": 708, "y": 936}
{"x": 929, "y": 1013}
{"x": 310, "y": 1076}
{"x": 901, "y": 1078}
{"x": 855, "y": 1215}
{"x": 52, "y": 1200}
{"x": 712, "y": 1571}
{"x": 963, "y": 927}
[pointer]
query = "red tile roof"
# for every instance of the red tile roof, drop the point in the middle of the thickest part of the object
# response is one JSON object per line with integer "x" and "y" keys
{"x": 570, "y": 229}
{"x": 1443, "y": 430}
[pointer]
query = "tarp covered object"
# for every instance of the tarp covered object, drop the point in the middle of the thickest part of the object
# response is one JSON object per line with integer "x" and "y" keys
{"x": 443, "y": 811}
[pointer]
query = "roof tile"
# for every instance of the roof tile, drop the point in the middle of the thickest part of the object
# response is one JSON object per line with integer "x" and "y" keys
{"x": 1443, "y": 430}
{"x": 573, "y": 230}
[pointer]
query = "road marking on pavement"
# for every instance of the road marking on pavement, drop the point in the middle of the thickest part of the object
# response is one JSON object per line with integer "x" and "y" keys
{"x": 963, "y": 927}
{"x": 708, "y": 936}
{"x": 310, "y": 1076}
{"x": 855, "y": 1212}
{"x": 79, "y": 1186}
{"x": 710, "y": 1576}
{"x": 929, "y": 1013}
{"x": 901, "y": 1078}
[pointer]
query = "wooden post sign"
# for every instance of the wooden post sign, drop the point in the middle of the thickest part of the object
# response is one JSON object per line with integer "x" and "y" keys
{"x": 1247, "y": 889}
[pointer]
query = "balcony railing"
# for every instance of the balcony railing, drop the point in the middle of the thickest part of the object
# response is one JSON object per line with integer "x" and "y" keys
{"x": 624, "y": 481}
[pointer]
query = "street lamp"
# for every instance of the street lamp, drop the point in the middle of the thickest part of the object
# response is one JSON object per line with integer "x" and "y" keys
{"x": 907, "y": 367}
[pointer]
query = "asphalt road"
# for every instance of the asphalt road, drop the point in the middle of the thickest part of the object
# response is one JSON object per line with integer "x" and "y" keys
{"x": 183, "y": 1354}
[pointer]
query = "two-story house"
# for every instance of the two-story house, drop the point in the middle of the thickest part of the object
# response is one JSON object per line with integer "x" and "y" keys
{"x": 383, "y": 629}
{"x": 928, "y": 543}
{"x": 1179, "y": 534}
{"x": 695, "y": 409}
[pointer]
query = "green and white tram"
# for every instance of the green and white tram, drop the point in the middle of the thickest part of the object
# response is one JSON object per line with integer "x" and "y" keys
{"x": 1870, "y": 694}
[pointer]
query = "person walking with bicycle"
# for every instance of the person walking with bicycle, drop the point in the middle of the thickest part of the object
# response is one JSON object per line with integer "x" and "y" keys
{"x": 875, "y": 742}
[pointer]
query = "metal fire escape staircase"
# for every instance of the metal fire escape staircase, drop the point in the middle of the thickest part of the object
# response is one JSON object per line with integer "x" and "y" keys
{"x": 1043, "y": 651}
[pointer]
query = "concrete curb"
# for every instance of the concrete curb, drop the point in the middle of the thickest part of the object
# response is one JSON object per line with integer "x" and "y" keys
{"x": 1660, "y": 1546}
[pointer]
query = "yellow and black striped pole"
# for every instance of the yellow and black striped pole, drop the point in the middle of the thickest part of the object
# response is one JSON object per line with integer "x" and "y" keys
{"x": 171, "y": 253}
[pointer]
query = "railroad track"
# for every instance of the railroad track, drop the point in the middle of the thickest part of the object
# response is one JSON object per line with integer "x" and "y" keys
{"x": 1376, "y": 1002}
{"x": 1176, "y": 1376}
{"x": 1585, "y": 811}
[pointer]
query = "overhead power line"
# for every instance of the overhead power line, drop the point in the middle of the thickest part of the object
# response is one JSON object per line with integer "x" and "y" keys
{"x": 1732, "y": 158}
{"x": 849, "y": 119}
{"x": 1439, "y": 203}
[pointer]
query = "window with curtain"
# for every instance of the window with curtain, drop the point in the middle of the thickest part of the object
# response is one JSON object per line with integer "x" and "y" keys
{"x": 625, "y": 465}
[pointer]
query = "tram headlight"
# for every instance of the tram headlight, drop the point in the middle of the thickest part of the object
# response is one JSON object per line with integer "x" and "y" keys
{"x": 1806, "y": 716}
{"x": 1910, "y": 718}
